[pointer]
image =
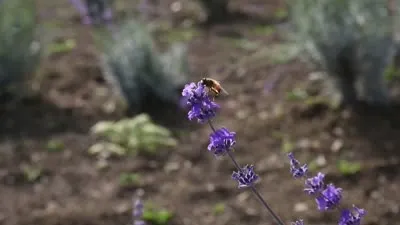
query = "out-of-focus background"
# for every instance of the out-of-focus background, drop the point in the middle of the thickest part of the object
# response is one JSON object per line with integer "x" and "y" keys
{"x": 91, "y": 112}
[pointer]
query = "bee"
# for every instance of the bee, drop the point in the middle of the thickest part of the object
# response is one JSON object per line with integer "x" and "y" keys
{"x": 214, "y": 86}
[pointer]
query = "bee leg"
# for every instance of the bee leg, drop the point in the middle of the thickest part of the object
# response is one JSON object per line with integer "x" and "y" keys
{"x": 214, "y": 90}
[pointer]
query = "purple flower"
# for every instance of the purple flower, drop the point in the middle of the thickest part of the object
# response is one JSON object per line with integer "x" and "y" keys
{"x": 195, "y": 93}
{"x": 246, "y": 176}
{"x": 351, "y": 218}
{"x": 202, "y": 107}
{"x": 315, "y": 184}
{"x": 221, "y": 141}
{"x": 139, "y": 222}
{"x": 138, "y": 208}
{"x": 329, "y": 198}
{"x": 203, "y": 111}
{"x": 298, "y": 222}
{"x": 296, "y": 170}
{"x": 138, "y": 212}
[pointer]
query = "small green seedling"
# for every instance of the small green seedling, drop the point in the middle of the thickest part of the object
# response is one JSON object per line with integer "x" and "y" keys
{"x": 127, "y": 179}
{"x": 55, "y": 146}
{"x": 32, "y": 173}
{"x": 348, "y": 168}
{"x": 219, "y": 208}
{"x": 157, "y": 217}
{"x": 62, "y": 47}
{"x": 263, "y": 30}
{"x": 297, "y": 94}
{"x": 287, "y": 145}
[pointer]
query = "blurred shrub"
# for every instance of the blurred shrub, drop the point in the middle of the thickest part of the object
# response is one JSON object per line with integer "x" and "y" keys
{"x": 135, "y": 135}
{"x": 352, "y": 41}
{"x": 19, "y": 47}
{"x": 132, "y": 63}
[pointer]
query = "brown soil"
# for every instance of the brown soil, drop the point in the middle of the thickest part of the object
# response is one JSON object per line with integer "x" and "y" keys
{"x": 188, "y": 180}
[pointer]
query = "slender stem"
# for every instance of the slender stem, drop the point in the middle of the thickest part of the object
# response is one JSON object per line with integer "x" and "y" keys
{"x": 211, "y": 125}
{"x": 253, "y": 189}
{"x": 264, "y": 203}
{"x": 230, "y": 154}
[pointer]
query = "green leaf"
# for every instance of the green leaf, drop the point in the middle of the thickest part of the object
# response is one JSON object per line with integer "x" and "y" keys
{"x": 348, "y": 168}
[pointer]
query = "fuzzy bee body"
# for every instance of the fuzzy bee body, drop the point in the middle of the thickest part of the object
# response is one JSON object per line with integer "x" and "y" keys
{"x": 214, "y": 86}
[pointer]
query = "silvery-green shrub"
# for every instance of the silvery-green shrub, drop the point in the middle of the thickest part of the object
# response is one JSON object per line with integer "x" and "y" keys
{"x": 19, "y": 44}
{"x": 132, "y": 62}
{"x": 352, "y": 41}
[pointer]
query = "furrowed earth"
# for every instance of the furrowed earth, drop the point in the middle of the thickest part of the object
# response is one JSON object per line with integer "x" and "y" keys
{"x": 269, "y": 106}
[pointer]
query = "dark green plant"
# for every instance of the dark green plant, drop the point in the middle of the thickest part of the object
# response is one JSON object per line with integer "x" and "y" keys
{"x": 19, "y": 46}
{"x": 137, "y": 69}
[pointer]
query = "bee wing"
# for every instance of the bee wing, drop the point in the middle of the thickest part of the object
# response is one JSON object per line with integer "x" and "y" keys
{"x": 224, "y": 91}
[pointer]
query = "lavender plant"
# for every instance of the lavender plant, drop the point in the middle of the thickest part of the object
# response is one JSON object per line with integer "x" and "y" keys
{"x": 137, "y": 69}
{"x": 352, "y": 41}
{"x": 222, "y": 141}
{"x": 20, "y": 48}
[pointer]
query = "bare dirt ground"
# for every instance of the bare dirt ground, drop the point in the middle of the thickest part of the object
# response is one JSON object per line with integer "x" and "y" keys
{"x": 187, "y": 180}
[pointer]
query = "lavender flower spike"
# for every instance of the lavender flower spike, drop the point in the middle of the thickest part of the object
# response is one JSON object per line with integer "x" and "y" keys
{"x": 352, "y": 218}
{"x": 298, "y": 222}
{"x": 246, "y": 177}
{"x": 329, "y": 198}
{"x": 202, "y": 107}
{"x": 296, "y": 170}
{"x": 221, "y": 141}
{"x": 315, "y": 185}
{"x": 138, "y": 213}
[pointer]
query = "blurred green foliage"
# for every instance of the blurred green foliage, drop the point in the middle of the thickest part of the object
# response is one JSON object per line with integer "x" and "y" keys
{"x": 352, "y": 41}
{"x": 126, "y": 179}
{"x": 219, "y": 208}
{"x": 156, "y": 216}
{"x": 348, "y": 168}
{"x": 20, "y": 49}
{"x": 136, "y": 135}
{"x": 135, "y": 67}
{"x": 55, "y": 146}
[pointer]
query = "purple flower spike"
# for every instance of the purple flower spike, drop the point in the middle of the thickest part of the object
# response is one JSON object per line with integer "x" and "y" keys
{"x": 351, "y": 218}
{"x": 296, "y": 170}
{"x": 246, "y": 177}
{"x": 315, "y": 184}
{"x": 139, "y": 222}
{"x": 221, "y": 141}
{"x": 138, "y": 208}
{"x": 196, "y": 93}
{"x": 298, "y": 222}
{"x": 202, "y": 107}
{"x": 138, "y": 212}
{"x": 203, "y": 112}
{"x": 329, "y": 198}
